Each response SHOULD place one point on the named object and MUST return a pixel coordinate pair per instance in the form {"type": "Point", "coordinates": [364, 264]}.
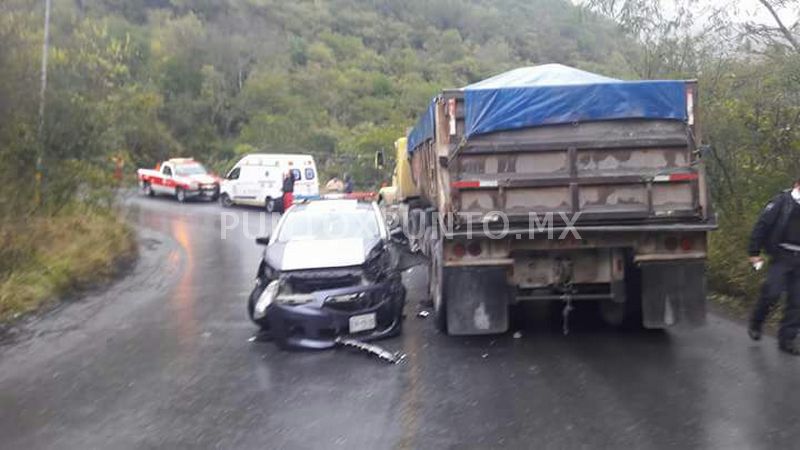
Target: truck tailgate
{"type": "Point", "coordinates": [627, 169]}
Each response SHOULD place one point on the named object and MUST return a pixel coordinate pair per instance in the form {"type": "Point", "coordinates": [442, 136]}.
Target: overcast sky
{"type": "Point", "coordinates": [754, 10]}
{"type": "Point", "coordinates": [740, 10]}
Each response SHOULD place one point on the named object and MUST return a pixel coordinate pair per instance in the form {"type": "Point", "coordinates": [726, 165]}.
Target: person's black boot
{"type": "Point", "coordinates": [754, 331]}
{"type": "Point", "coordinates": [790, 346]}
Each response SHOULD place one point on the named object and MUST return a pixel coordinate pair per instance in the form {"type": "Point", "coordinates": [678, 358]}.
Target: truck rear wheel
{"type": "Point", "coordinates": [633, 296]}
{"type": "Point", "coordinates": [147, 189]}
{"type": "Point", "coordinates": [436, 288]}
{"type": "Point", "coordinates": [613, 313]}
{"type": "Point", "coordinates": [625, 310]}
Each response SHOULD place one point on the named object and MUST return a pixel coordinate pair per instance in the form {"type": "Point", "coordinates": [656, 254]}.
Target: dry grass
{"type": "Point", "coordinates": [44, 258]}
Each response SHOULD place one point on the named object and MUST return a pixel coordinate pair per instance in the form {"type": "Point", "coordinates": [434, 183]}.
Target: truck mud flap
{"type": "Point", "coordinates": [672, 293]}
{"type": "Point", "coordinates": [477, 300]}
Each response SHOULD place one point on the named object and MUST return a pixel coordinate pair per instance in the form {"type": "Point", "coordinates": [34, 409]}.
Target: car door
{"type": "Point", "coordinates": [246, 187]}
{"type": "Point", "coordinates": [230, 182]}
{"type": "Point", "coordinates": [270, 183]}
{"type": "Point", "coordinates": [164, 184]}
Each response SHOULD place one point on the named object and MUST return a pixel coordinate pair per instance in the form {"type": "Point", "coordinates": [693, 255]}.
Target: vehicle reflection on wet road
{"type": "Point", "coordinates": [163, 359]}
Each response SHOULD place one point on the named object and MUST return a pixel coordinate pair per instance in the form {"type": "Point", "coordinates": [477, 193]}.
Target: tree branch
{"type": "Point", "coordinates": [785, 31]}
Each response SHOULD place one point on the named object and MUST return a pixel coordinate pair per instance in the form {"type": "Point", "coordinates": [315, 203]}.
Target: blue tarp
{"type": "Point", "coordinates": [423, 130]}
{"type": "Point", "coordinates": [556, 94]}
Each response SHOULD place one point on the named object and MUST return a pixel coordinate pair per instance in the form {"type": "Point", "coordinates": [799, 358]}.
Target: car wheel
{"type": "Point", "coordinates": [215, 195]}
{"type": "Point", "coordinates": [180, 194]}
{"type": "Point", "coordinates": [148, 190]}
{"type": "Point", "coordinates": [225, 200]}
{"type": "Point", "coordinates": [271, 205]}
{"type": "Point", "coordinates": [436, 288]}
{"type": "Point", "coordinates": [251, 305]}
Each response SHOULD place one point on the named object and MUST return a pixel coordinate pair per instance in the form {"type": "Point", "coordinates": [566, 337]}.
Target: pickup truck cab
{"type": "Point", "coordinates": [182, 178]}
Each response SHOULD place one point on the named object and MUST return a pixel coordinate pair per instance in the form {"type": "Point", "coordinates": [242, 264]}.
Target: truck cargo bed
{"type": "Point", "coordinates": [633, 169]}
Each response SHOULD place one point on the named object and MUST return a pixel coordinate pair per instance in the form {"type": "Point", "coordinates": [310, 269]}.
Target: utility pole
{"type": "Point", "coordinates": [42, 98]}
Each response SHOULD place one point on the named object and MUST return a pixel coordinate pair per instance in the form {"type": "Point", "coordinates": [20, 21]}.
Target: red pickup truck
{"type": "Point", "coordinates": [182, 178]}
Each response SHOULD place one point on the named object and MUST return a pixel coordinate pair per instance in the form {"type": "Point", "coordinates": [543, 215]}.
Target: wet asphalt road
{"type": "Point", "coordinates": [162, 359]}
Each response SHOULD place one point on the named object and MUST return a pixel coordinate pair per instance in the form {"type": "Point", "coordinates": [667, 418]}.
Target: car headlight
{"type": "Point", "coordinates": [268, 272]}
{"type": "Point", "coordinates": [266, 298]}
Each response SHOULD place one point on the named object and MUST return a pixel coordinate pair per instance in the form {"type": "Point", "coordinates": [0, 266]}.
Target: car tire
{"type": "Point", "coordinates": [251, 305]}
{"type": "Point", "coordinates": [225, 201]}
{"type": "Point", "coordinates": [147, 189]}
{"type": "Point", "coordinates": [215, 195]}
{"type": "Point", "coordinates": [272, 205]}
{"type": "Point", "coordinates": [180, 194]}
{"type": "Point", "coordinates": [436, 288]}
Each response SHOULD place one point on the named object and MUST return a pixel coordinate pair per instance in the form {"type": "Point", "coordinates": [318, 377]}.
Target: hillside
{"type": "Point", "coordinates": [338, 78]}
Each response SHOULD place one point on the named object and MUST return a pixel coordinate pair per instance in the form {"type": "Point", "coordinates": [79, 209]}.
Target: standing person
{"type": "Point", "coordinates": [288, 190]}
{"type": "Point", "coordinates": [348, 184]}
{"type": "Point", "coordinates": [778, 232]}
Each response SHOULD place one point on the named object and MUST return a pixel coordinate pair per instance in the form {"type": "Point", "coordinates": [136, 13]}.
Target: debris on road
{"type": "Point", "coordinates": [394, 358]}
{"type": "Point", "coordinates": [517, 335]}
{"type": "Point", "coordinates": [423, 314]}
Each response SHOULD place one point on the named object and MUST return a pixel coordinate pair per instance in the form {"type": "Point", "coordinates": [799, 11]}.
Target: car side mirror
{"type": "Point", "coordinates": [263, 240]}
{"type": "Point", "coordinates": [379, 159]}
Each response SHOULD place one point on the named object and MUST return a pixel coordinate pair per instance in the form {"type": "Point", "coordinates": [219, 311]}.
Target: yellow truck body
{"type": "Point", "coordinates": [403, 186]}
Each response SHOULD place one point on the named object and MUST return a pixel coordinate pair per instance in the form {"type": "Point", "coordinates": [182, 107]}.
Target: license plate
{"type": "Point", "coordinates": [363, 322]}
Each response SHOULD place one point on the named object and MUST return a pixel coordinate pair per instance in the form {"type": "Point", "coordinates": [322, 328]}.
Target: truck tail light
{"type": "Point", "coordinates": [474, 248]}
{"type": "Point", "coordinates": [459, 250]}
{"type": "Point", "coordinates": [674, 177]}
{"type": "Point", "coordinates": [470, 184]}
{"type": "Point", "coordinates": [686, 244]}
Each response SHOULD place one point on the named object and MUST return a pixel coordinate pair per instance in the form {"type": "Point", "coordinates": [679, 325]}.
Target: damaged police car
{"type": "Point", "coordinates": [330, 270]}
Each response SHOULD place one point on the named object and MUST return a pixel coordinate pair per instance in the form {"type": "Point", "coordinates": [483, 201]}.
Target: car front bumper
{"type": "Point", "coordinates": [206, 192]}
{"type": "Point", "coordinates": [317, 324]}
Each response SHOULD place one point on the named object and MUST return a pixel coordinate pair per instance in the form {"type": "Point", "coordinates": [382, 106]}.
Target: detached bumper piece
{"type": "Point", "coordinates": [333, 313]}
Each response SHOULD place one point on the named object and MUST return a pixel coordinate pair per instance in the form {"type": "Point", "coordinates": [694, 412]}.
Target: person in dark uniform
{"type": "Point", "coordinates": [288, 190]}
{"type": "Point", "coordinates": [348, 184]}
{"type": "Point", "coordinates": [778, 233]}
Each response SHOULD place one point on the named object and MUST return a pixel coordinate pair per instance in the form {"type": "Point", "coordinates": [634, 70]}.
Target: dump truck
{"type": "Point", "coordinates": [554, 184]}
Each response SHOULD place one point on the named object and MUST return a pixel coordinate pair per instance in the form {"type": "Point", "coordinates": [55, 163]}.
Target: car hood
{"type": "Point", "coordinates": [318, 254]}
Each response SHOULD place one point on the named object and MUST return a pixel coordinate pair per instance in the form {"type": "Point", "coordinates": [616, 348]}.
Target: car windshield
{"type": "Point", "coordinates": [327, 224]}
{"type": "Point", "coordinates": [190, 169]}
